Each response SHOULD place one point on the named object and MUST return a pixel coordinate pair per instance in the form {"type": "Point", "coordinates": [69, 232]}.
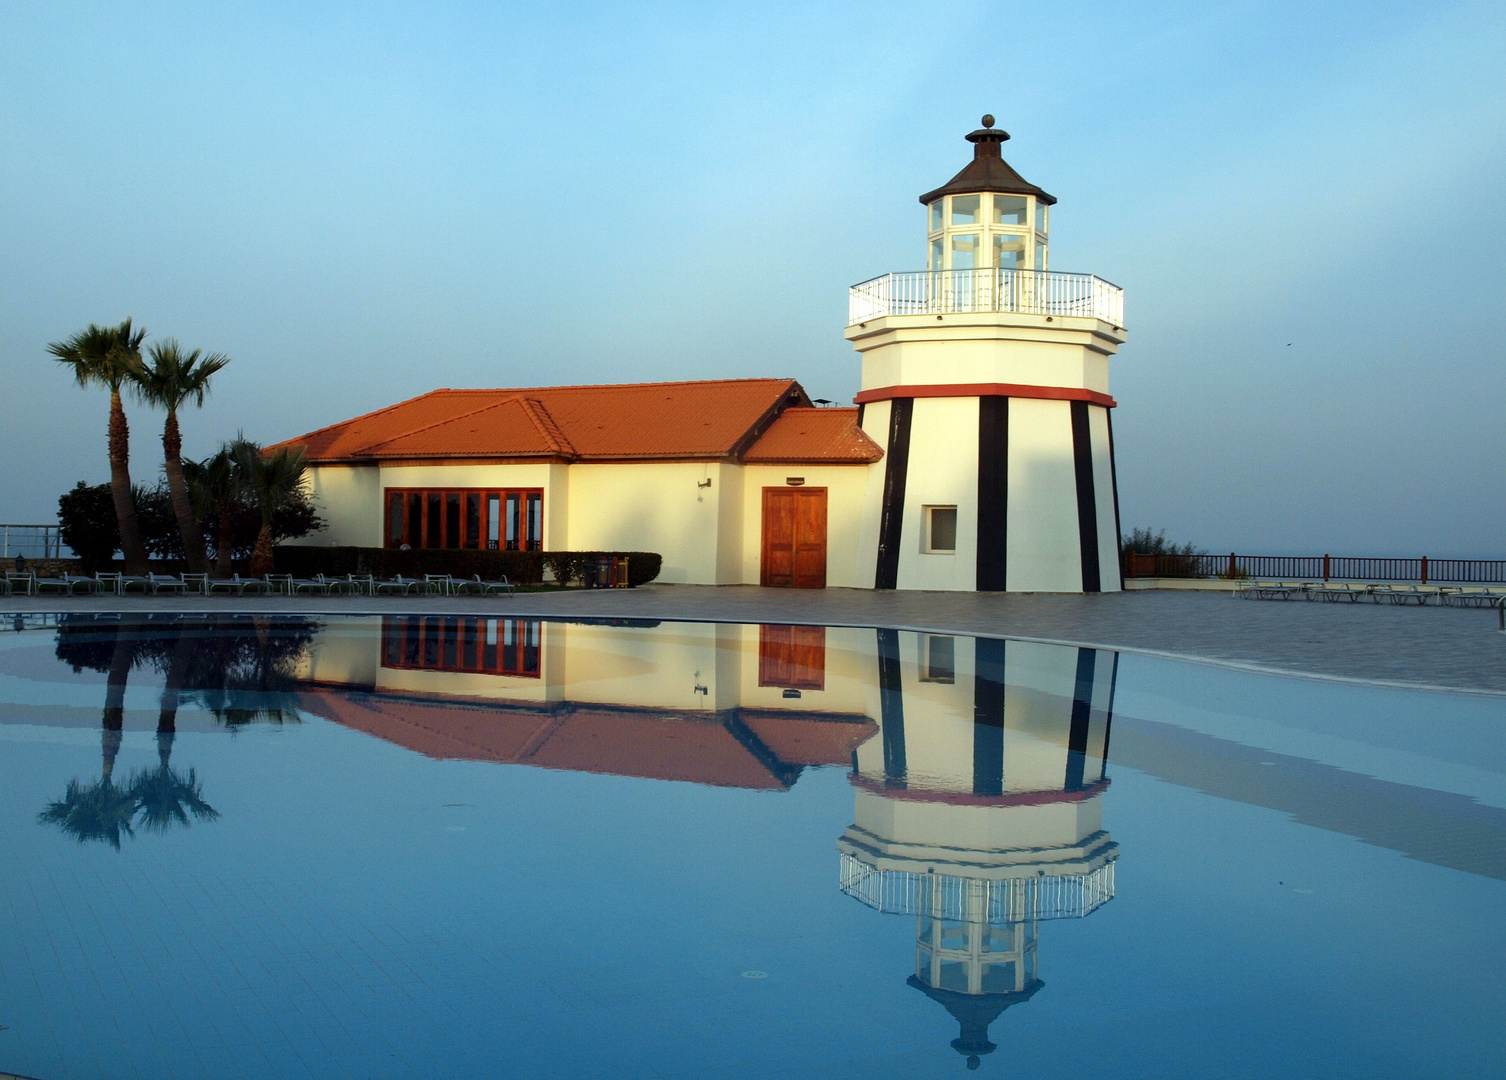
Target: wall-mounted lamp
{"type": "Point", "coordinates": [706, 483]}
{"type": "Point", "coordinates": [795, 481]}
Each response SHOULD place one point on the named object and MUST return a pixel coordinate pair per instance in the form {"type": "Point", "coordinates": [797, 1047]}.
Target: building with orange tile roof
{"type": "Point", "coordinates": [980, 454]}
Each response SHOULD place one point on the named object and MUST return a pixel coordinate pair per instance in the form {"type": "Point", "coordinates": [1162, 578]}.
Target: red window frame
{"type": "Point", "coordinates": [464, 644]}
{"type": "Point", "coordinates": [510, 519]}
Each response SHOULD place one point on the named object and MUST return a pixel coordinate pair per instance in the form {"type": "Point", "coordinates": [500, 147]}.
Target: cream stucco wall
{"type": "Point", "coordinates": [349, 499]}
{"type": "Point", "coordinates": [943, 471]}
{"type": "Point", "coordinates": [986, 348]}
{"type": "Point", "coordinates": [1044, 555]}
{"type": "Point", "coordinates": [658, 507]}
{"type": "Point", "coordinates": [846, 489]}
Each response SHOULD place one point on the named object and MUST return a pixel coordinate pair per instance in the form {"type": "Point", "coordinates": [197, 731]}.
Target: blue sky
{"type": "Point", "coordinates": [363, 202]}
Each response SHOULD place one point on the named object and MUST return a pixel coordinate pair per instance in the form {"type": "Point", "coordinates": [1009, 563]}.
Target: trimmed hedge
{"type": "Point", "coordinates": [521, 567]}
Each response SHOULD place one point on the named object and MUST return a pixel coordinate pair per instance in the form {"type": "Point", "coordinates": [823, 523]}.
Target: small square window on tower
{"type": "Point", "coordinates": [941, 530]}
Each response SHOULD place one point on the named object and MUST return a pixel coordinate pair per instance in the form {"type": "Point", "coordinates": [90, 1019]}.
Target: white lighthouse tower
{"type": "Point", "coordinates": [986, 380]}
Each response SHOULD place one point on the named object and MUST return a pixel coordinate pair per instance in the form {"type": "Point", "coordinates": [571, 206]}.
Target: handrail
{"type": "Point", "coordinates": [1422, 569]}
{"type": "Point", "coordinates": [990, 289]}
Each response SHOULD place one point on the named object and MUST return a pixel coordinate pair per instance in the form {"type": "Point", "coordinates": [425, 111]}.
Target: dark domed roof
{"type": "Point", "coordinates": [988, 171]}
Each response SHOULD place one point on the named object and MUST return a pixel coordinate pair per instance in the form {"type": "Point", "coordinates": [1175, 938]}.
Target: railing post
{"type": "Point", "coordinates": [1424, 569]}
{"type": "Point", "coordinates": [1232, 571]}
{"type": "Point", "coordinates": [1325, 567]}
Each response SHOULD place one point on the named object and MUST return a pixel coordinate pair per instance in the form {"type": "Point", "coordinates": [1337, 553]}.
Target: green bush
{"type": "Point", "coordinates": [520, 567]}
{"type": "Point", "coordinates": [87, 521]}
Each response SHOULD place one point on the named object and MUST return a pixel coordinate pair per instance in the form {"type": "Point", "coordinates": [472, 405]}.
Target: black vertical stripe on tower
{"type": "Point", "coordinates": [1082, 713]}
{"type": "Point", "coordinates": [988, 718]}
{"type": "Point", "coordinates": [892, 513]}
{"type": "Point", "coordinates": [1087, 503]}
{"type": "Point", "coordinates": [993, 493]}
{"type": "Point", "coordinates": [1108, 717]}
{"type": "Point", "coordinates": [1114, 484]}
{"type": "Point", "coordinates": [892, 707]}
{"type": "Point", "coordinates": [862, 407]}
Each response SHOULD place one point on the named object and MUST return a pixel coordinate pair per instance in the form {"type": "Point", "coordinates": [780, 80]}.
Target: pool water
{"type": "Point", "coordinates": [467, 847]}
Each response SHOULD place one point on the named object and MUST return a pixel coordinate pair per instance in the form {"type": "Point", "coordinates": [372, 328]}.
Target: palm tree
{"type": "Point", "coordinates": [108, 356]}
{"type": "Point", "coordinates": [269, 480]}
{"type": "Point", "coordinates": [175, 376]}
{"type": "Point", "coordinates": [101, 811]}
{"type": "Point", "coordinates": [214, 489]}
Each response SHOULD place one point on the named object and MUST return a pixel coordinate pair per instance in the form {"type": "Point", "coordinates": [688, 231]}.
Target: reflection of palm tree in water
{"type": "Point", "coordinates": [99, 811]}
{"type": "Point", "coordinates": [247, 678]}
{"type": "Point", "coordinates": [163, 796]}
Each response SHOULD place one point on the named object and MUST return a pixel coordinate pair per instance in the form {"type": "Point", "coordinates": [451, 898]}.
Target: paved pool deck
{"type": "Point", "coordinates": [1425, 647]}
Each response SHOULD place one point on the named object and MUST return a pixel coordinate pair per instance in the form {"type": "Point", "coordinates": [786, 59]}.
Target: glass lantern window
{"type": "Point", "coordinates": [1009, 251]}
{"type": "Point", "coordinates": [964, 251]}
{"type": "Point", "coordinates": [1040, 255]}
{"type": "Point", "coordinates": [1040, 216]}
{"type": "Point", "coordinates": [1010, 210]}
{"type": "Point", "coordinates": [965, 209]}
{"type": "Point", "coordinates": [936, 254]}
{"type": "Point", "coordinates": [936, 215]}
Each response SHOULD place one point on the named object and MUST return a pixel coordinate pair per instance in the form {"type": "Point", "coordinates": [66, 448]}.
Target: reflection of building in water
{"type": "Point", "coordinates": [978, 810]}
{"type": "Point", "coordinates": [740, 706]}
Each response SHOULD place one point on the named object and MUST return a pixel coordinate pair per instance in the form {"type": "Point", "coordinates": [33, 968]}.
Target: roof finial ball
{"type": "Point", "coordinates": [988, 119]}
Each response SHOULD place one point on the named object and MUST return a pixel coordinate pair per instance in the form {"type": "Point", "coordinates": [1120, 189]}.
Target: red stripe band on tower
{"type": "Point", "coordinates": [1019, 390]}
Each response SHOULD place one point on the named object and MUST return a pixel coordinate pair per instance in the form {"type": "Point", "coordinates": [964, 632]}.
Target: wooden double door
{"type": "Point", "coordinates": [794, 538]}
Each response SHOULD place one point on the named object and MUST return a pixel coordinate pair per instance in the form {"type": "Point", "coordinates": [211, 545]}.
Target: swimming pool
{"type": "Point", "coordinates": [429, 846]}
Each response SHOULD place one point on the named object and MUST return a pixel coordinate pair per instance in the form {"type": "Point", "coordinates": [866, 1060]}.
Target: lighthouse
{"type": "Point", "coordinates": [985, 378]}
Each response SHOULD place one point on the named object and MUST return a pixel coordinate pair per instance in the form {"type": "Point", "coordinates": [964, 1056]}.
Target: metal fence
{"type": "Point", "coordinates": [1070, 896]}
{"type": "Point", "coordinates": [33, 541]}
{"type": "Point", "coordinates": [1317, 568]}
{"type": "Point", "coordinates": [1027, 292]}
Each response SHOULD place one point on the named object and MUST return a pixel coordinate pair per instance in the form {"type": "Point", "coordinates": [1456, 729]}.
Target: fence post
{"type": "Point", "coordinates": [1232, 571]}
{"type": "Point", "coordinates": [1325, 567]}
{"type": "Point", "coordinates": [1424, 569]}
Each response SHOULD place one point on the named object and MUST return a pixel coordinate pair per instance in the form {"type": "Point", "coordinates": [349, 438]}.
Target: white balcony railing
{"type": "Point", "coordinates": [945, 292]}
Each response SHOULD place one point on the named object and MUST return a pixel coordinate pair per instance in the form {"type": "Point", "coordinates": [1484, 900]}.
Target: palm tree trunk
{"type": "Point", "coordinates": [224, 547]}
{"type": "Point", "coordinates": [261, 557]}
{"type": "Point", "coordinates": [194, 550]}
{"type": "Point", "coordinates": [131, 546]}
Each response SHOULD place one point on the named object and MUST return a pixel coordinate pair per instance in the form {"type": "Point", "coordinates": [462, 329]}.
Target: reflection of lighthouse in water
{"type": "Point", "coordinates": [978, 810]}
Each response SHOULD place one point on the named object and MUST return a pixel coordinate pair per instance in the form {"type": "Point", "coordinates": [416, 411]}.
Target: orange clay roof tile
{"type": "Point", "coordinates": [808, 435]}
{"type": "Point", "coordinates": [639, 421]}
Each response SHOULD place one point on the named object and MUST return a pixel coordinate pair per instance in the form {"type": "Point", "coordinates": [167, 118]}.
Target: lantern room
{"type": "Point", "coordinates": [987, 216]}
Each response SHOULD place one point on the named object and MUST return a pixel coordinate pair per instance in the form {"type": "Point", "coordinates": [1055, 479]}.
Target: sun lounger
{"type": "Point", "coordinates": [363, 584]}
{"type": "Point", "coordinates": [198, 583]}
{"type": "Point", "coordinates": [238, 585]}
{"type": "Point", "coordinates": [25, 582]}
{"type": "Point", "coordinates": [338, 586]}
{"type": "Point", "coordinates": [159, 582]}
{"type": "Point", "coordinates": [1469, 596]}
{"type": "Point", "coordinates": [1406, 594]}
{"type": "Point", "coordinates": [279, 583]}
{"type": "Point", "coordinates": [316, 584]}
{"type": "Point", "coordinates": [124, 583]}
{"type": "Point", "coordinates": [401, 585]}
{"type": "Point", "coordinates": [76, 584]}
{"type": "Point", "coordinates": [485, 588]}
{"type": "Point", "coordinates": [440, 583]}
{"type": "Point", "coordinates": [1333, 591]}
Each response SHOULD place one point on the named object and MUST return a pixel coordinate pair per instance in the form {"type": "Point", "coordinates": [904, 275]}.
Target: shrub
{"type": "Point", "coordinates": [87, 521]}
{"type": "Point", "coordinates": [1145, 542]}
